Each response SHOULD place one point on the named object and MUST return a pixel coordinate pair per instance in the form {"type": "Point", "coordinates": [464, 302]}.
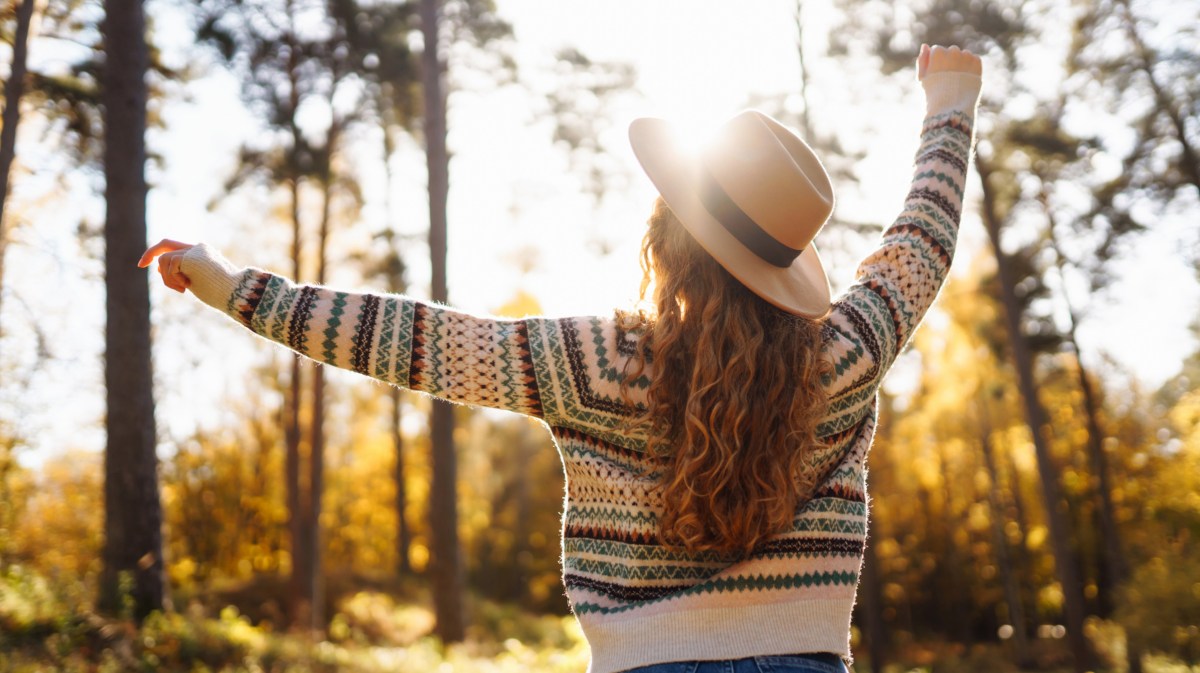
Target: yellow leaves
{"type": "Point", "coordinates": [979, 519]}
{"type": "Point", "coordinates": [982, 481]}
{"type": "Point", "coordinates": [1185, 416]}
{"type": "Point", "coordinates": [886, 548]}
{"type": "Point", "coordinates": [1012, 532]}
{"type": "Point", "coordinates": [1073, 481]}
{"type": "Point", "coordinates": [419, 555]}
{"type": "Point", "coordinates": [1160, 607]}
{"type": "Point", "coordinates": [522, 304]}
{"type": "Point", "coordinates": [894, 592]}
{"type": "Point", "coordinates": [62, 523]}
{"type": "Point", "coordinates": [1050, 597]}
{"type": "Point", "coordinates": [1035, 538]}
{"type": "Point", "coordinates": [181, 572]}
{"type": "Point", "coordinates": [240, 631]}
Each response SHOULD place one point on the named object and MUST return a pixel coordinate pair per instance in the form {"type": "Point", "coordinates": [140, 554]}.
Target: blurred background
{"type": "Point", "coordinates": [208, 502]}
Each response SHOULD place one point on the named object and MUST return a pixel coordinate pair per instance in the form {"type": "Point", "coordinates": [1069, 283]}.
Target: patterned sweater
{"type": "Point", "coordinates": [638, 602]}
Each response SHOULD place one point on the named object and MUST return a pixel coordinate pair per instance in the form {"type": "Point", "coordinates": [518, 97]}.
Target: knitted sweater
{"type": "Point", "coordinates": [638, 602]}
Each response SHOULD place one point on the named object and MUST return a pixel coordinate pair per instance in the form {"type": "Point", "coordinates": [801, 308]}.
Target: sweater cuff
{"type": "Point", "coordinates": [214, 279]}
{"type": "Point", "coordinates": [950, 91]}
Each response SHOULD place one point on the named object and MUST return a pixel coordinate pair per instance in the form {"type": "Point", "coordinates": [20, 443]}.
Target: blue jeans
{"type": "Point", "coordinates": [780, 663]}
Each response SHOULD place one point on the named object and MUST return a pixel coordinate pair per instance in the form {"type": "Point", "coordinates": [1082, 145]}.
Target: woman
{"type": "Point", "coordinates": [714, 449]}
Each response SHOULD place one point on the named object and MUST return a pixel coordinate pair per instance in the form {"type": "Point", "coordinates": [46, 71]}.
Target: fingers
{"type": "Point", "coordinates": [948, 59]}
{"type": "Point", "coordinates": [172, 253]}
{"type": "Point", "coordinates": [169, 269]}
{"type": "Point", "coordinates": [922, 61]}
{"type": "Point", "coordinates": [165, 245]}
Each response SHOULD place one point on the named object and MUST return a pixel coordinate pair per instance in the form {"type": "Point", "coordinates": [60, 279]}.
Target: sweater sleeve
{"type": "Point", "coordinates": [897, 283]}
{"type": "Point", "coordinates": [398, 340]}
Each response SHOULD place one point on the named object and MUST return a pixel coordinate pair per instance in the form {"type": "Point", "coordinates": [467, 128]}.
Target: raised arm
{"type": "Point", "coordinates": [426, 347]}
{"type": "Point", "coordinates": [898, 282]}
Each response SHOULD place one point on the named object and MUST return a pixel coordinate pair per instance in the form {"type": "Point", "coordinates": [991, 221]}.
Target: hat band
{"type": "Point", "coordinates": [742, 226]}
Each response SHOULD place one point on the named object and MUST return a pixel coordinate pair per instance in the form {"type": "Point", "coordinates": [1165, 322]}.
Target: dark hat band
{"type": "Point", "coordinates": [741, 225]}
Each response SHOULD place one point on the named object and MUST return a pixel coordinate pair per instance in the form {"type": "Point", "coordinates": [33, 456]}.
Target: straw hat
{"type": "Point", "coordinates": [754, 198]}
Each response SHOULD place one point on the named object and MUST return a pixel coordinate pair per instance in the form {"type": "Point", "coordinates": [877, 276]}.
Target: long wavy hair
{"type": "Point", "coordinates": [734, 399]}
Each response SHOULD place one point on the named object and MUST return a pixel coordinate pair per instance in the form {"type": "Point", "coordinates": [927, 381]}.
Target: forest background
{"type": "Point", "coordinates": [1036, 478]}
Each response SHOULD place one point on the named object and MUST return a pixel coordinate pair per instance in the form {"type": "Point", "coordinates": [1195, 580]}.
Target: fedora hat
{"type": "Point", "coordinates": [754, 198]}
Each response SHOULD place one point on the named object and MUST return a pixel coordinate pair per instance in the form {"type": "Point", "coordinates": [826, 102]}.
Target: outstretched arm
{"type": "Point", "coordinates": [898, 282]}
{"type": "Point", "coordinates": [422, 346]}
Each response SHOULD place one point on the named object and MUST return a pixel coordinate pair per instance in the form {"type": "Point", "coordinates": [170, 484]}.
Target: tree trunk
{"type": "Point", "coordinates": [1035, 415]}
{"type": "Point", "coordinates": [301, 597]}
{"type": "Point", "coordinates": [315, 589]}
{"type": "Point", "coordinates": [395, 274]}
{"type": "Point", "coordinates": [316, 457]}
{"type": "Point", "coordinates": [871, 612]}
{"type": "Point", "coordinates": [403, 534]}
{"type": "Point", "coordinates": [133, 541]}
{"type": "Point", "coordinates": [1106, 519]}
{"type": "Point", "coordinates": [1021, 555]}
{"type": "Point", "coordinates": [447, 571]}
{"type": "Point", "coordinates": [14, 89]}
{"type": "Point", "coordinates": [872, 608]}
{"type": "Point", "coordinates": [524, 505]}
{"type": "Point", "coordinates": [958, 591]}
{"type": "Point", "coordinates": [1008, 576]}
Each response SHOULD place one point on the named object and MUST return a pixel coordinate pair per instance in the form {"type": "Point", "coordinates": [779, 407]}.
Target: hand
{"type": "Point", "coordinates": [168, 265]}
{"type": "Point", "coordinates": [946, 59]}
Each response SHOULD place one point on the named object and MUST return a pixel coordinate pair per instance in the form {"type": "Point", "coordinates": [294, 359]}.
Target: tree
{"type": "Point", "coordinates": [70, 100]}
{"type": "Point", "coordinates": [1004, 29]}
{"type": "Point", "coordinates": [133, 515]}
{"type": "Point", "coordinates": [1014, 608]}
{"type": "Point", "coordinates": [12, 115]}
{"type": "Point", "coordinates": [447, 569]}
{"type": "Point", "coordinates": [389, 270]}
{"type": "Point", "coordinates": [308, 67]}
{"type": "Point", "coordinates": [1039, 425]}
{"type": "Point", "coordinates": [261, 43]}
{"type": "Point", "coordinates": [1183, 59]}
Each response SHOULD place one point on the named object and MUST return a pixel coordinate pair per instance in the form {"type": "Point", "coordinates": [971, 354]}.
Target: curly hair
{"type": "Point", "coordinates": [734, 399]}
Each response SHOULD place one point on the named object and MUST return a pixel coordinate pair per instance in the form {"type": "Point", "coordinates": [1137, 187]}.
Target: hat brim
{"type": "Point", "coordinates": [801, 288]}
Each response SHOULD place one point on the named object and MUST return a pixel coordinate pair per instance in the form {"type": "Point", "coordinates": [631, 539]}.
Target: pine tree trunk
{"type": "Point", "coordinates": [871, 613]}
{"type": "Point", "coordinates": [403, 534]}
{"type": "Point", "coordinates": [1008, 576]}
{"type": "Point", "coordinates": [300, 598]}
{"type": "Point", "coordinates": [1065, 564]}
{"type": "Point", "coordinates": [300, 607]}
{"type": "Point", "coordinates": [956, 583]}
{"type": "Point", "coordinates": [524, 505]}
{"type": "Point", "coordinates": [403, 568]}
{"type": "Point", "coordinates": [13, 90]}
{"type": "Point", "coordinates": [316, 457]}
{"type": "Point", "coordinates": [1021, 555]}
{"type": "Point", "coordinates": [133, 541]}
{"type": "Point", "coordinates": [1106, 521]}
{"type": "Point", "coordinates": [446, 565]}
{"type": "Point", "coordinates": [872, 608]}
{"type": "Point", "coordinates": [1106, 518]}
{"type": "Point", "coordinates": [316, 486]}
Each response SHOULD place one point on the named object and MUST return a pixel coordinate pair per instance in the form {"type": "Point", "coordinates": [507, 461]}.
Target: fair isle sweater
{"type": "Point", "coordinates": [637, 601]}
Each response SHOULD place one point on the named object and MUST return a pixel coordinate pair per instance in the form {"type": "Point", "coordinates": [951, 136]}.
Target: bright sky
{"type": "Point", "coordinates": [698, 62]}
